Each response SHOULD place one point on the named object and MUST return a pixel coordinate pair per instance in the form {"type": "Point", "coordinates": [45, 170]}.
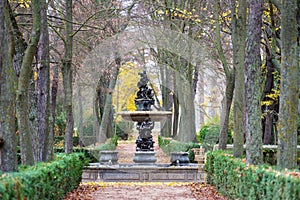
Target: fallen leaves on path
{"type": "Point", "coordinates": [96, 190]}
{"type": "Point", "coordinates": [206, 192]}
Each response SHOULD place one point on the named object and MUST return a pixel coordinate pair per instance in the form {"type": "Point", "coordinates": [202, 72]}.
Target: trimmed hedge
{"type": "Point", "coordinates": [44, 180]}
{"type": "Point", "coordinates": [235, 179]}
{"type": "Point", "coordinates": [88, 154]}
{"type": "Point", "coordinates": [93, 154]}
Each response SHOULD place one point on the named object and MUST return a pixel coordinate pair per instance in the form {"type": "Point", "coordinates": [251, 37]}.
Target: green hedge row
{"type": "Point", "coordinates": [235, 179]}
{"type": "Point", "coordinates": [44, 180]}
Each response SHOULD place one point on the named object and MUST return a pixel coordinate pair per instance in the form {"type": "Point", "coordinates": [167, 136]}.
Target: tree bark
{"type": "Point", "coordinates": [253, 84]}
{"type": "Point", "coordinates": [8, 151]}
{"type": "Point", "coordinates": [43, 87]}
{"type": "Point", "coordinates": [167, 101]}
{"type": "Point", "coordinates": [108, 101]}
{"type": "Point", "coordinates": [289, 88]}
{"type": "Point", "coordinates": [239, 43]}
{"type": "Point", "coordinates": [23, 85]}
{"type": "Point", "coordinates": [186, 131]}
{"type": "Point", "coordinates": [80, 116]}
{"type": "Point", "coordinates": [67, 72]}
{"type": "Point", "coordinates": [229, 74]}
{"type": "Point", "coordinates": [54, 89]}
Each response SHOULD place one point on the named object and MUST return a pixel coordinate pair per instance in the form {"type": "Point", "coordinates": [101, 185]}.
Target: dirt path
{"type": "Point", "coordinates": [146, 192]}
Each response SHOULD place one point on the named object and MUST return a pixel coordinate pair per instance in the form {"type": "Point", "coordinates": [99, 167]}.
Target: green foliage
{"type": "Point", "coordinates": [114, 140]}
{"type": "Point", "coordinates": [235, 179]}
{"type": "Point", "coordinates": [168, 146]}
{"type": "Point", "coordinates": [88, 154]}
{"type": "Point", "coordinates": [298, 130]}
{"type": "Point", "coordinates": [93, 154]}
{"type": "Point", "coordinates": [209, 135]}
{"type": "Point", "coordinates": [44, 180]}
{"type": "Point", "coordinates": [60, 123]}
{"type": "Point", "coordinates": [123, 128]}
{"type": "Point", "coordinates": [59, 141]}
{"type": "Point", "coordinates": [162, 142]}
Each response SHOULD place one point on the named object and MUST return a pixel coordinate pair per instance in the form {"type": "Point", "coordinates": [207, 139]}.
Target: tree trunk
{"type": "Point", "coordinates": [108, 101]}
{"type": "Point", "coordinates": [43, 86]}
{"type": "Point", "coordinates": [8, 151]}
{"type": "Point", "coordinates": [167, 101]}
{"type": "Point", "coordinates": [54, 89]}
{"type": "Point", "coordinates": [96, 119]}
{"type": "Point", "coordinates": [22, 92]}
{"type": "Point", "coordinates": [238, 43]}
{"type": "Point", "coordinates": [229, 81]}
{"type": "Point", "coordinates": [289, 88]}
{"type": "Point", "coordinates": [253, 84]}
{"type": "Point", "coordinates": [33, 113]}
{"type": "Point", "coordinates": [186, 126]}
{"type": "Point", "coordinates": [226, 110]}
{"type": "Point", "coordinates": [67, 72]}
{"type": "Point", "coordinates": [269, 110]}
{"type": "Point", "coordinates": [80, 116]}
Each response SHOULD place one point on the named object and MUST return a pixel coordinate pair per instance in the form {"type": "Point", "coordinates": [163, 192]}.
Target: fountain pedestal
{"type": "Point", "coordinates": [144, 158]}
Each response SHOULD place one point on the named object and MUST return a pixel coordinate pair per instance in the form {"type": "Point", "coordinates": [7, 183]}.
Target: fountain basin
{"type": "Point", "coordinates": [140, 116]}
{"type": "Point", "coordinates": [142, 173]}
{"type": "Point", "coordinates": [108, 157]}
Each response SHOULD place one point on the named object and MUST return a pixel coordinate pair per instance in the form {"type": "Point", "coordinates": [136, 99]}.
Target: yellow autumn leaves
{"type": "Point", "coordinates": [23, 3]}
{"type": "Point", "coordinates": [118, 184]}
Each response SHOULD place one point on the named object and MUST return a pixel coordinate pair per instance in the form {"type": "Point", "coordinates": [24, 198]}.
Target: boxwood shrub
{"type": "Point", "coordinates": [235, 179]}
{"type": "Point", "coordinates": [44, 180]}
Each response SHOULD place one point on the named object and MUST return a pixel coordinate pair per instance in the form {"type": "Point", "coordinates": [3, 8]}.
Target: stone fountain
{"type": "Point", "coordinates": [145, 118]}
{"type": "Point", "coordinates": [145, 167]}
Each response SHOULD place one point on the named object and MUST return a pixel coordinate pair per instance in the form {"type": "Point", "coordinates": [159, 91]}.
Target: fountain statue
{"type": "Point", "coordinates": [145, 118]}
{"type": "Point", "coordinates": [143, 102]}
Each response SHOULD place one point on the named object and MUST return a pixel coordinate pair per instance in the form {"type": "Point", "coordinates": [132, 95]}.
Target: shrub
{"type": "Point", "coordinates": [162, 142]}
{"type": "Point", "coordinates": [59, 141]}
{"type": "Point", "coordinates": [209, 136]}
{"type": "Point", "coordinates": [93, 154]}
{"type": "Point", "coordinates": [168, 146]}
{"type": "Point", "coordinates": [60, 123]}
{"type": "Point", "coordinates": [123, 128]}
{"type": "Point", "coordinates": [235, 179]}
{"type": "Point", "coordinates": [44, 180]}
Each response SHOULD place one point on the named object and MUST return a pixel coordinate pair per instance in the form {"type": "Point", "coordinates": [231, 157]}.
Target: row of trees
{"type": "Point", "coordinates": [40, 37]}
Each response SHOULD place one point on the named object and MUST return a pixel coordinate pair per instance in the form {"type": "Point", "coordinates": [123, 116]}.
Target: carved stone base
{"type": "Point", "coordinates": [144, 157]}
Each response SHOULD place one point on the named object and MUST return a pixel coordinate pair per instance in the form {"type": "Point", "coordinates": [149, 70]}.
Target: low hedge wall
{"type": "Point", "coordinates": [235, 179]}
{"type": "Point", "coordinates": [44, 180]}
